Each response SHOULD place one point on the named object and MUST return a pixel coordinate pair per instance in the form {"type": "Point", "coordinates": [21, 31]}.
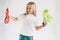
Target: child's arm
{"type": "Point", "coordinates": [14, 18]}
{"type": "Point", "coordinates": [39, 27]}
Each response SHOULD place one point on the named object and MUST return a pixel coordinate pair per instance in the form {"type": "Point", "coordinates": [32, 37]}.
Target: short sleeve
{"type": "Point", "coordinates": [37, 22]}
{"type": "Point", "coordinates": [20, 17]}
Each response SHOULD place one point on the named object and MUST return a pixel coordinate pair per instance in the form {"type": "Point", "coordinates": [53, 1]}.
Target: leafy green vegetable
{"type": "Point", "coordinates": [46, 16]}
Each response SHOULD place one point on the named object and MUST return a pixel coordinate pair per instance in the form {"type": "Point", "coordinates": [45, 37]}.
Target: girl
{"type": "Point", "coordinates": [29, 21]}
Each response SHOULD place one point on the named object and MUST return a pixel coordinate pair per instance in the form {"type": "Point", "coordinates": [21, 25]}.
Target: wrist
{"type": "Point", "coordinates": [44, 24]}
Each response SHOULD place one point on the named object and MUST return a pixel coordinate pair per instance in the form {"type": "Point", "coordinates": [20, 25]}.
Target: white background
{"type": "Point", "coordinates": [11, 31]}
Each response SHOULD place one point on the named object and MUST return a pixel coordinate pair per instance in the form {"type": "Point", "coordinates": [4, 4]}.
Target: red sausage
{"type": "Point", "coordinates": [6, 20]}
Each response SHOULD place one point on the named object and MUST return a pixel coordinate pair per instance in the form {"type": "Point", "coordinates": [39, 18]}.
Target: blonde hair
{"type": "Point", "coordinates": [34, 12]}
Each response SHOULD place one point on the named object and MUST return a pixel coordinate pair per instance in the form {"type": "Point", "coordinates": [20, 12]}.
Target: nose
{"type": "Point", "coordinates": [28, 9]}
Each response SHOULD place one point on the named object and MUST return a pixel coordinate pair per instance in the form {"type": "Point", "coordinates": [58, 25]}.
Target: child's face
{"type": "Point", "coordinates": [30, 8]}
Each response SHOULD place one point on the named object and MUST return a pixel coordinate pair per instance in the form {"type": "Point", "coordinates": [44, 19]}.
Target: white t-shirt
{"type": "Point", "coordinates": [29, 22]}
